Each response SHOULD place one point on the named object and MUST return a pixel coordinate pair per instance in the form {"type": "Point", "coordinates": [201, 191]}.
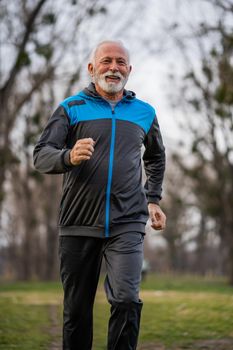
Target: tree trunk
{"type": "Point", "coordinates": [53, 184]}
{"type": "Point", "coordinates": [201, 239]}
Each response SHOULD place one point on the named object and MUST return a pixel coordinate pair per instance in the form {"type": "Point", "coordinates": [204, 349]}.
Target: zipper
{"type": "Point", "coordinates": [110, 170]}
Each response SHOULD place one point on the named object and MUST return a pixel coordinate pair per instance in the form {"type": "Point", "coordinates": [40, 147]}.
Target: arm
{"type": "Point", "coordinates": [154, 163]}
{"type": "Point", "coordinates": [50, 156]}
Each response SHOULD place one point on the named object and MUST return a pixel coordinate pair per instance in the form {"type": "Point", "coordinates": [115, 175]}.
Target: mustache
{"type": "Point", "coordinates": [116, 74]}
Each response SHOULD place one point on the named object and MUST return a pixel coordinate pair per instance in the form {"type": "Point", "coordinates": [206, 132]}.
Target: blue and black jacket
{"type": "Point", "coordinates": [104, 196]}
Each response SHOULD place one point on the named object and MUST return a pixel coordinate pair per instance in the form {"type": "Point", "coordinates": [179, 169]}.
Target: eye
{"type": "Point", "coordinates": [105, 61]}
{"type": "Point", "coordinates": [122, 62]}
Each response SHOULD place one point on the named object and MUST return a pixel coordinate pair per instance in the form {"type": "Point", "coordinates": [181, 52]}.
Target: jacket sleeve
{"type": "Point", "coordinates": [50, 155]}
{"type": "Point", "coordinates": [154, 163]}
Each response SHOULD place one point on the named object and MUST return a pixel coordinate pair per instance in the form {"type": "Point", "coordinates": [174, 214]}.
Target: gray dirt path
{"type": "Point", "coordinates": [55, 330]}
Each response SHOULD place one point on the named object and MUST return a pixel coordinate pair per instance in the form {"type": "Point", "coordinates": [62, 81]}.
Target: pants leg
{"type": "Point", "coordinates": [124, 255]}
{"type": "Point", "coordinates": [80, 263]}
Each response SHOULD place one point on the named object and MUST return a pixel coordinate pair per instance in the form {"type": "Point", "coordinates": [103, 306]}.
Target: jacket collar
{"type": "Point", "coordinates": [90, 91]}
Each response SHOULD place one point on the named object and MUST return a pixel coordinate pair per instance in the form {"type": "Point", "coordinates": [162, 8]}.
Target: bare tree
{"type": "Point", "coordinates": [207, 93]}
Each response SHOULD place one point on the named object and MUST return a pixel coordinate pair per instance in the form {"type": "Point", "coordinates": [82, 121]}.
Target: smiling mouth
{"type": "Point", "coordinates": [113, 78]}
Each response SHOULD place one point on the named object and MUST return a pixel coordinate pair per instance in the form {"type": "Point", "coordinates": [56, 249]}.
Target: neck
{"type": "Point", "coordinates": [116, 96]}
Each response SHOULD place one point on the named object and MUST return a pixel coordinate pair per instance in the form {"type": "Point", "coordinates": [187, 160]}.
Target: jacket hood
{"type": "Point", "coordinates": [90, 91]}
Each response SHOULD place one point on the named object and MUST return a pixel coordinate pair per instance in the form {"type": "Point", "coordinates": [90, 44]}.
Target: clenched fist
{"type": "Point", "coordinates": [157, 216]}
{"type": "Point", "coordinates": [82, 150]}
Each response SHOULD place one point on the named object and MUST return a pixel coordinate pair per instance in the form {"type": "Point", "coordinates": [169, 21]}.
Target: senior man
{"type": "Point", "coordinates": [95, 139]}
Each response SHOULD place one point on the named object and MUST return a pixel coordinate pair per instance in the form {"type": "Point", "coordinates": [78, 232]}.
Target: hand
{"type": "Point", "coordinates": [82, 150]}
{"type": "Point", "coordinates": [157, 216]}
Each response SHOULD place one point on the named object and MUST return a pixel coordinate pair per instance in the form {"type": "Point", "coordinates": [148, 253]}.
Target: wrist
{"type": "Point", "coordinates": [151, 204]}
{"type": "Point", "coordinates": [66, 158]}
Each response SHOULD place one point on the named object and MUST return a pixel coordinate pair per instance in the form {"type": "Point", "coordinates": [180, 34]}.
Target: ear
{"type": "Point", "coordinates": [130, 68]}
{"type": "Point", "coordinates": [90, 68]}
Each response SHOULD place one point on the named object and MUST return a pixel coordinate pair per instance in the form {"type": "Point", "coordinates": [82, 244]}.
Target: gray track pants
{"type": "Point", "coordinates": [80, 259]}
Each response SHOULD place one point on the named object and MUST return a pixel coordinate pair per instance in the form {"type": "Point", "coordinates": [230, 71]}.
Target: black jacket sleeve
{"type": "Point", "coordinates": [50, 155]}
{"type": "Point", "coordinates": [154, 163]}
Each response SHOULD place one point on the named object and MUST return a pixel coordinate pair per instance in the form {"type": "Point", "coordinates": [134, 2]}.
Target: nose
{"type": "Point", "coordinates": [114, 66]}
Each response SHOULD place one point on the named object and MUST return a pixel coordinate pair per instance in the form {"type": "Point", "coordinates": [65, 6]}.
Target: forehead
{"type": "Point", "coordinates": [111, 50]}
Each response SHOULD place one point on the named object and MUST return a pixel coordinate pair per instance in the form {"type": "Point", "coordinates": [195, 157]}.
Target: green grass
{"type": "Point", "coordinates": [177, 318]}
{"type": "Point", "coordinates": [30, 286]}
{"type": "Point", "coordinates": [23, 326]}
{"type": "Point", "coordinates": [187, 283]}
{"type": "Point", "coordinates": [178, 310]}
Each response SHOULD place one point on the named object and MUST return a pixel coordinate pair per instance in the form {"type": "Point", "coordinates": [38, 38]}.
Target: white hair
{"type": "Point", "coordinates": [117, 42]}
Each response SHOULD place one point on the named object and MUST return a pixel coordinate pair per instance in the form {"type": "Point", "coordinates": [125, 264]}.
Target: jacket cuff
{"type": "Point", "coordinates": [66, 158]}
{"type": "Point", "coordinates": [153, 199]}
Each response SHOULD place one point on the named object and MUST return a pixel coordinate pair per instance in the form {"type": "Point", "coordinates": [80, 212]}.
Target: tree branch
{"type": "Point", "coordinates": [226, 5]}
{"type": "Point", "coordinates": [28, 30]}
{"type": "Point", "coordinates": [41, 79]}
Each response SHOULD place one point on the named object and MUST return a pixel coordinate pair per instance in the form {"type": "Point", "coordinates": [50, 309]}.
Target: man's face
{"type": "Point", "coordinates": [110, 69]}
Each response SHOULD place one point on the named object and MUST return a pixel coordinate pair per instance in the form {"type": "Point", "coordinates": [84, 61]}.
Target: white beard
{"type": "Point", "coordinates": [110, 87]}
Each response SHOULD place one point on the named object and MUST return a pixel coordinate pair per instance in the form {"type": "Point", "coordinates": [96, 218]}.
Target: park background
{"type": "Point", "coordinates": [181, 52]}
